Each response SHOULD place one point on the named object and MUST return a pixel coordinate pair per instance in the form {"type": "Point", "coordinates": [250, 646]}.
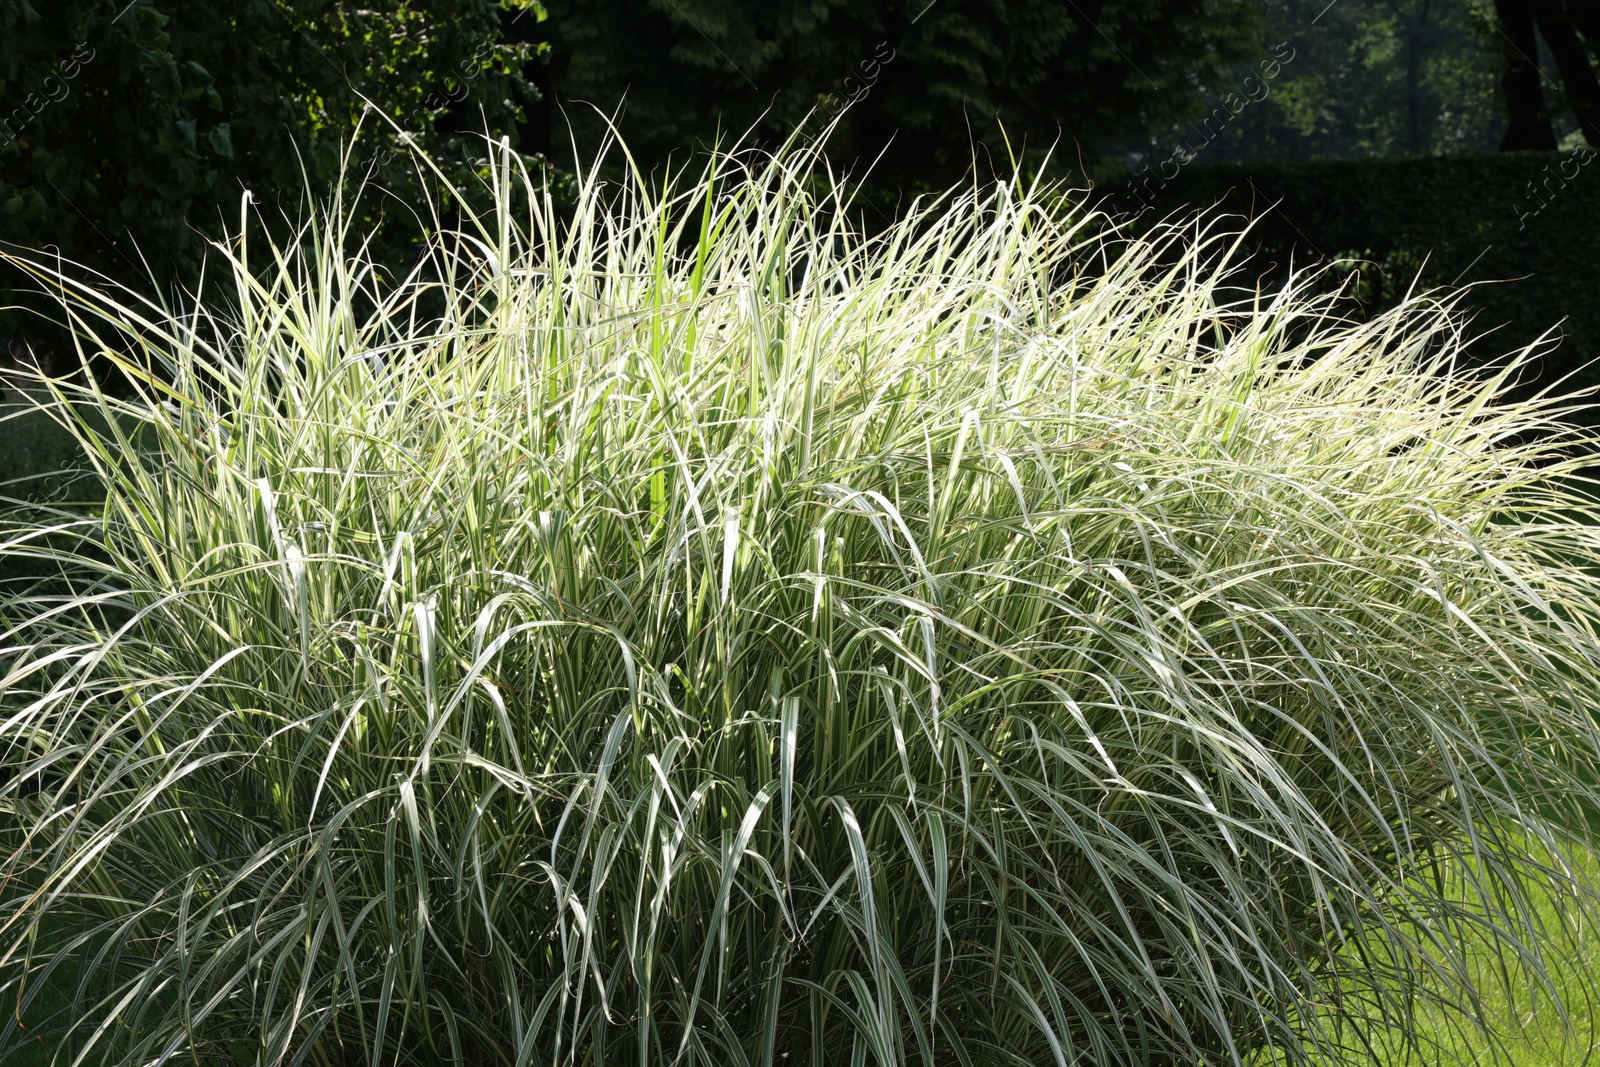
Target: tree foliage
{"type": "Point", "coordinates": [1570, 30]}
{"type": "Point", "coordinates": [129, 131]}
{"type": "Point", "coordinates": [928, 84]}
{"type": "Point", "coordinates": [1367, 78]}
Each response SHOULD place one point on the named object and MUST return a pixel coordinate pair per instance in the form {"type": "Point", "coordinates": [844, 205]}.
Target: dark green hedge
{"type": "Point", "coordinates": [39, 459]}
{"type": "Point", "coordinates": [1456, 220]}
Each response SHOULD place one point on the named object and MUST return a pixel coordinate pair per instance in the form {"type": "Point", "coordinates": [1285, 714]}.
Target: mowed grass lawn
{"type": "Point", "coordinates": [1528, 1026]}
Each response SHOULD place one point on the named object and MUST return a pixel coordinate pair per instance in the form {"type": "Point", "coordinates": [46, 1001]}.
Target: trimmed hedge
{"type": "Point", "coordinates": [1456, 220]}
{"type": "Point", "coordinates": [39, 459]}
{"type": "Point", "coordinates": [40, 462]}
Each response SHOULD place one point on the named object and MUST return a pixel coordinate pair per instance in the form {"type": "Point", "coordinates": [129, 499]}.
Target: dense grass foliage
{"type": "Point", "coordinates": [719, 638]}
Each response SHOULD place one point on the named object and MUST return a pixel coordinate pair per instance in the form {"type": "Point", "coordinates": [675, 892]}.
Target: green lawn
{"type": "Point", "coordinates": [1528, 1026]}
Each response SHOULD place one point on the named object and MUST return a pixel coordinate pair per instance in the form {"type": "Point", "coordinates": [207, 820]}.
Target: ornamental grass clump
{"type": "Point", "coordinates": [681, 629]}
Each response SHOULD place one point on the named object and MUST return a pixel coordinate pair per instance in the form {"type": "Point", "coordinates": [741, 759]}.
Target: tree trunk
{"type": "Point", "coordinates": [1414, 92]}
{"type": "Point", "coordinates": [1528, 123]}
{"type": "Point", "coordinates": [1583, 91]}
{"type": "Point", "coordinates": [1585, 14]}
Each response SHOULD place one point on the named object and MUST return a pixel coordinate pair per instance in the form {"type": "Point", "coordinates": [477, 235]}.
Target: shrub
{"type": "Point", "coordinates": [716, 637]}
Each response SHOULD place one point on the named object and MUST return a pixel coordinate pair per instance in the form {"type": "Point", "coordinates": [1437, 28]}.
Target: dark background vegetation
{"type": "Point", "coordinates": [1412, 224]}
{"type": "Point", "coordinates": [130, 132]}
{"type": "Point", "coordinates": [1448, 138]}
